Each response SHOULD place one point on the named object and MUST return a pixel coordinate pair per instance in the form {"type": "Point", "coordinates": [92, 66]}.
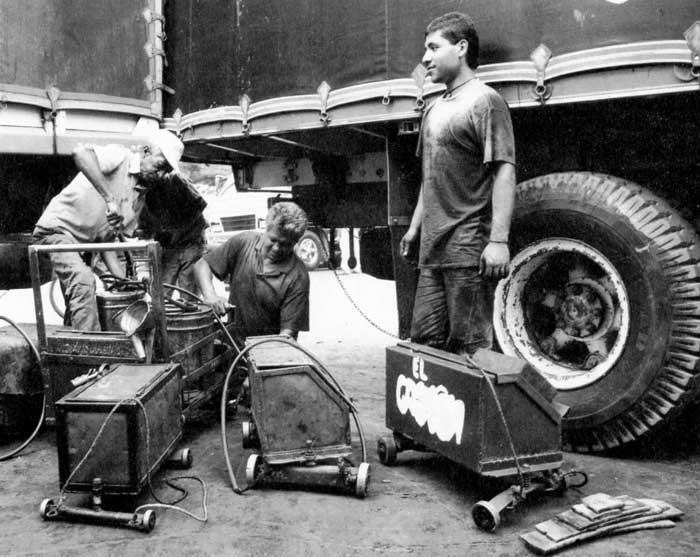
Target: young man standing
{"type": "Point", "coordinates": [467, 195]}
{"type": "Point", "coordinates": [268, 283]}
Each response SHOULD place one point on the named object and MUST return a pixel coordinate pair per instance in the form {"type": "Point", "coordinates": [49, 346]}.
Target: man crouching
{"type": "Point", "coordinates": [268, 283]}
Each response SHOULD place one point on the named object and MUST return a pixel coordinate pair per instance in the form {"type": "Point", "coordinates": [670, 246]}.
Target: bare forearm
{"type": "Point", "coordinates": [503, 201]}
{"type": "Point", "coordinates": [112, 261]}
{"type": "Point", "coordinates": [417, 217]}
{"type": "Point", "coordinates": [204, 279]}
{"type": "Point", "coordinates": [86, 161]}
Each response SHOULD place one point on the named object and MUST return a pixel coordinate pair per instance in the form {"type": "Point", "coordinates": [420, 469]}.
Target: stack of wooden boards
{"type": "Point", "coordinates": [596, 516]}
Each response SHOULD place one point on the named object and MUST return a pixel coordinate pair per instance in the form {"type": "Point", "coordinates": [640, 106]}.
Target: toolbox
{"type": "Point", "coordinates": [438, 400]}
{"type": "Point", "coordinates": [139, 435]}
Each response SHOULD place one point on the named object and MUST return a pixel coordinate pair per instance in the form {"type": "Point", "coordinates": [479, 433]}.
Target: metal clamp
{"type": "Point", "coordinates": [152, 84]}
{"type": "Point", "coordinates": [692, 37]}
{"type": "Point", "coordinates": [540, 58]}
{"type": "Point", "coordinates": [324, 91]}
{"type": "Point", "coordinates": [151, 16]}
{"type": "Point", "coordinates": [386, 99]}
{"type": "Point", "coordinates": [153, 51]}
{"type": "Point", "coordinates": [419, 74]}
{"type": "Point", "coordinates": [244, 103]}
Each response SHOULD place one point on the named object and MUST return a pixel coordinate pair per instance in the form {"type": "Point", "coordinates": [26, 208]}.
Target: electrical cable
{"type": "Point", "coordinates": [148, 470]}
{"type": "Point", "coordinates": [324, 376]}
{"type": "Point", "coordinates": [499, 408]}
{"type": "Point", "coordinates": [218, 319]}
{"type": "Point", "coordinates": [40, 422]}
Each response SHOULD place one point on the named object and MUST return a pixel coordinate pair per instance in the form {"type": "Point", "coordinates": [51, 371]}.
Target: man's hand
{"type": "Point", "coordinates": [114, 219]}
{"type": "Point", "coordinates": [218, 304]}
{"type": "Point", "coordinates": [407, 245]}
{"type": "Point", "coordinates": [493, 264]}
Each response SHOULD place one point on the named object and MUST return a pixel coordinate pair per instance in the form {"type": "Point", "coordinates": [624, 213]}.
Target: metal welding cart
{"type": "Point", "coordinates": [113, 433]}
{"type": "Point", "coordinates": [301, 422]}
{"type": "Point", "coordinates": [491, 413]}
{"type": "Point", "coordinates": [189, 338]}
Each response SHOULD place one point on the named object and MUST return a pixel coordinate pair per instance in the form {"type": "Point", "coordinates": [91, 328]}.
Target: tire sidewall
{"type": "Point", "coordinates": [559, 206]}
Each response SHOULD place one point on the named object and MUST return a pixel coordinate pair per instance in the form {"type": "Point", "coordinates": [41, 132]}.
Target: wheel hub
{"type": "Point", "coordinates": [564, 309]}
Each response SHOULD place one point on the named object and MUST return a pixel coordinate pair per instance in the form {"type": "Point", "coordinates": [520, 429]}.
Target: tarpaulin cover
{"type": "Point", "coordinates": [82, 46]}
{"type": "Point", "coordinates": [221, 49]}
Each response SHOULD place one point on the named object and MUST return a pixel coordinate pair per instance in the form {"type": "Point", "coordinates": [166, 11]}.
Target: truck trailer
{"type": "Point", "coordinates": [326, 97]}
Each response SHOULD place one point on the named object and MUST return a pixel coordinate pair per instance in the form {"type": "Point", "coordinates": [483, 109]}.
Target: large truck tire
{"type": "Point", "coordinates": [603, 298]}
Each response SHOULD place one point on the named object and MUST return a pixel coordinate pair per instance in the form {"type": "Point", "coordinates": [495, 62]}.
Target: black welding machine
{"type": "Point", "coordinates": [300, 427]}
{"type": "Point", "coordinates": [491, 413]}
{"type": "Point", "coordinates": [113, 433]}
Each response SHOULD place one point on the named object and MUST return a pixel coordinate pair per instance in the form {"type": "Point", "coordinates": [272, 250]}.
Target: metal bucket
{"type": "Point", "coordinates": [186, 328]}
{"type": "Point", "coordinates": [110, 303]}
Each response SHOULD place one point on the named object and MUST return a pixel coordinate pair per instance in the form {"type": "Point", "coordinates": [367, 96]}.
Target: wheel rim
{"type": "Point", "coordinates": [564, 309]}
{"type": "Point", "coordinates": [307, 251]}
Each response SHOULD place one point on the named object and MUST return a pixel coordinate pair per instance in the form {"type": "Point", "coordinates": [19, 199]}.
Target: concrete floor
{"type": "Point", "coordinates": [419, 507]}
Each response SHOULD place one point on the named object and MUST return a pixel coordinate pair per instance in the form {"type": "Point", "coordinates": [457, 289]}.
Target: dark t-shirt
{"type": "Point", "coordinates": [173, 213]}
{"type": "Point", "coordinates": [266, 302]}
{"type": "Point", "coordinates": [460, 136]}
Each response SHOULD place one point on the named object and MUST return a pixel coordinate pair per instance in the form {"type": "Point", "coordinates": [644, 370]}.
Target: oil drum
{"type": "Point", "coordinates": [112, 302]}
{"type": "Point", "coordinates": [187, 327]}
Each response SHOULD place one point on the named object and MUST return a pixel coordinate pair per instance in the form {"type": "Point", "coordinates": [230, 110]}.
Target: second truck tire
{"type": "Point", "coordinates": [604, 300]}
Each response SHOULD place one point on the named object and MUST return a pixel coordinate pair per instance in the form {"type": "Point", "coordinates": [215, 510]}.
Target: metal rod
{"type": "Point", "coordinates": [106, 246]}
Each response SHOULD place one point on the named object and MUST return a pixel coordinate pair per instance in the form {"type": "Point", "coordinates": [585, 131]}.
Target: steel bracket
{"type": "Point", "coordinates": [540, 57]}
{"type": "Point", "coordinates": [152, 84]}
{"type": "Point", "coordinates": [324, 91]}
{"type": "Point", "coordinates": [244, 103]}
{"type": "Point", "coordinates": [419, 74]}
{"type": "Point", "coordinates": [692, 37]}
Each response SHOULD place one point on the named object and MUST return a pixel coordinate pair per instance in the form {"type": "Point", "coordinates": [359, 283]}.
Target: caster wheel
{"type": "Point", "coordinates": [253, 469]}
{"type": "Point", "coordinates": [185, 458]}
{"type": "Point", "coordinates": [386, 450]}
{"type": "Point", "coordinates": [247, 429]}
{"type": "Point", "coordinates": [47, 508]}
{"type": "Point", "coordinates": [485, 516]}
{"type": "Point", "coordinates": [362, 482]}
{"type": "Point", "coordinates": [148, 520]}
{"type": "Point", "coordinates": [181, 458]}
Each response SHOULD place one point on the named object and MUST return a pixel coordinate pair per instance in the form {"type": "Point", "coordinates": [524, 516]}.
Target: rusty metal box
{"type": "Point", "coordinates": [296, 411]}
{"type": "Point", "coordinates": [441, 402]}
{"type": "Point", "coordinates": [139, 435]}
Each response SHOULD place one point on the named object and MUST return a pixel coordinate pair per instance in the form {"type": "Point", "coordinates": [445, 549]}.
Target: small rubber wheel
{"type": "Point", "coordinates": [252, 468]}
{"type": "Point", "coordinates": [185, 458]}
{"type": "Point", "coordinates": [148, 520]}
{"type": "Point", "coordinates": [485, 516]}
{"type": "Point", "coordinates": [47, 508]}
{"type": "Point", "coordinates": [247, 435]}
{"type": "Point", "coordinates": [386, 450]}
{"type": "Point", "coordinates": [363, 478]}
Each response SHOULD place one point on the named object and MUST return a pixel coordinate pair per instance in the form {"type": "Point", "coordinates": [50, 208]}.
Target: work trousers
{"type": "Point", "coordinates": [77, 283]}
{"type": "Point", "coordinates": [178, 266]}
{"type": "Point", "coordinates": [453, 310]}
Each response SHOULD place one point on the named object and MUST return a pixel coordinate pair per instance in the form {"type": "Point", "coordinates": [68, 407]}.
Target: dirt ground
{"type": "Point", "coordinates": [421, 506]}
